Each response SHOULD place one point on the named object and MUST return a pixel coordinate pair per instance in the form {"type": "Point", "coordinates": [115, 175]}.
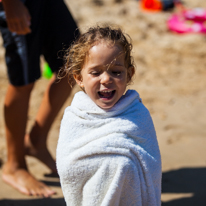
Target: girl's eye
{"type": "Point", "coordinates": [116, 73]}
{"type": "Point", "coordinates": [95, 73]}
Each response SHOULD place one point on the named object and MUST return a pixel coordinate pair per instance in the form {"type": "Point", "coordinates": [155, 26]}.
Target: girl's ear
{"type": "Point", "coordinates": [78, 80]}
{"type": "Point", "coordinates": [130, 73]}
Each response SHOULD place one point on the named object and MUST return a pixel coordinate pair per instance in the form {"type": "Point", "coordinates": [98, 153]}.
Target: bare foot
{"type": "Point", "coordinates": [40, 152]}
{"type": "Point", "coordinates": [24, 182]}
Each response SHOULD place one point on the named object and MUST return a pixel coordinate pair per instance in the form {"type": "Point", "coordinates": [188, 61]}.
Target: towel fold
{"type": "Point", "coordinates": [109, 158]}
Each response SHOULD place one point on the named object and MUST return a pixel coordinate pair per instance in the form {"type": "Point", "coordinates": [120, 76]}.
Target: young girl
{"type": "Point", "coordinates": [107, 152]}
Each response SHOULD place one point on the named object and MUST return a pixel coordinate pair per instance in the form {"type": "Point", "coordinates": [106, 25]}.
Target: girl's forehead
{"type": "Point", "coordinates": [108, 43]}
{"type": "Point", "coordinates": [105, 46]}
{"type": "Point", "coordinates": [105, 51]}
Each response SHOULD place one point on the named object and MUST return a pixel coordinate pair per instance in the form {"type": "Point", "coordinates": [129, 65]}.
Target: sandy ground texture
{"type": "Point", "coordinates": [171, 79]}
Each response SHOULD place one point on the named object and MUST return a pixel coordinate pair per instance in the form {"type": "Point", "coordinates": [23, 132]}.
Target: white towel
{"type": "Point", "coordinates": [109, 158]}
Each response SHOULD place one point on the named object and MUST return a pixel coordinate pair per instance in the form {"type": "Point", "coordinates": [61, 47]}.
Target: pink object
{"type": "Point", "coordinates": [189, 21]}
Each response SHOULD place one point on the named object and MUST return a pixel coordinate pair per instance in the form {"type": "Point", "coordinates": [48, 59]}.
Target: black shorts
{"type": "Point", "coordinates": [53, 29]}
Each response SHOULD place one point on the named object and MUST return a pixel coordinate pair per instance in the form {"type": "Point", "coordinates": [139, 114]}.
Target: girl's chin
{"type": "Point", "coordinates": [106, 106]}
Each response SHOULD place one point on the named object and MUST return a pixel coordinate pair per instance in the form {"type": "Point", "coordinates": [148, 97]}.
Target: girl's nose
{"type": "Point", "coordinates": [106, 78]}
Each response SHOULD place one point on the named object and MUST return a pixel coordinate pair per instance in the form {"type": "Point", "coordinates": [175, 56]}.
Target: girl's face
{"type": "Point", "coordinates": [104, 75]}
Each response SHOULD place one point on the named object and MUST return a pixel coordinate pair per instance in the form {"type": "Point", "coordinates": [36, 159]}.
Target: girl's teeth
{"type": "Point", "coordinates": [105, 91]}
{"type": "Point", "coordinates": [106, 94]}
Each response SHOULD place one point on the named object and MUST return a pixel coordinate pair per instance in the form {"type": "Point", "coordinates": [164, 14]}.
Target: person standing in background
{"type": "Point", "coordinates": [31, 28]}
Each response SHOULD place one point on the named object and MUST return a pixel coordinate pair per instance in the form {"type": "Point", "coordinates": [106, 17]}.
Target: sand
{"type": "Point", "coordinates": [170, 77]}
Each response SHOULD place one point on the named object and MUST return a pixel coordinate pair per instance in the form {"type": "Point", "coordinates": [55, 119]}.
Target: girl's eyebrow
{"type": "Point", "coordinates": [118, 64]}
{"type": "Point", "coordinates": [95, 67]}
{"type": "Point", "coordinates": [113, 62]}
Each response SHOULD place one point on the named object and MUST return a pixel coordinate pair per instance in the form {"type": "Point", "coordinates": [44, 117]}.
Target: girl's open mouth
{"type": "Point", "coordinates": [107, 94]}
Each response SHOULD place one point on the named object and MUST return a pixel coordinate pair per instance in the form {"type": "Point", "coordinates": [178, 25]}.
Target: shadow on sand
{"type": "Point", "coordinates": [34, 202]}
{"type": "Point", "coordinates": [186, 180]}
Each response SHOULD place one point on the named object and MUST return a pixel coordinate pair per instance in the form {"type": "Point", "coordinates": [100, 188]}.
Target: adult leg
{"type": "Point", "coordinates": [57, 30]}
{"type": "Point", "coordinates": [36, 142]}
{"type": "Point", "coordinates": [15, 170]}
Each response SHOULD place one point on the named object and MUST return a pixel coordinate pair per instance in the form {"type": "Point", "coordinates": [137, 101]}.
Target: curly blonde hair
{"type": "Point", "coordinates": [76, 54]}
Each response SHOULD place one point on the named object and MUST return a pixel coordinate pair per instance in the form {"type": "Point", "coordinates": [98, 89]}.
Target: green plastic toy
{"type": "Point", "coordinates": [47, 72]}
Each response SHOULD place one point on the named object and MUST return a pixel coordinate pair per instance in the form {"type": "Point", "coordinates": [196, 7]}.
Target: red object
{"type": "Point", "coordinates": [151, 5]}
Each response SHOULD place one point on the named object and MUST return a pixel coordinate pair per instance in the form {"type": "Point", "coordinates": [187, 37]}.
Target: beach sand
{"type": "Point", "coordinates": [171, 80]}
